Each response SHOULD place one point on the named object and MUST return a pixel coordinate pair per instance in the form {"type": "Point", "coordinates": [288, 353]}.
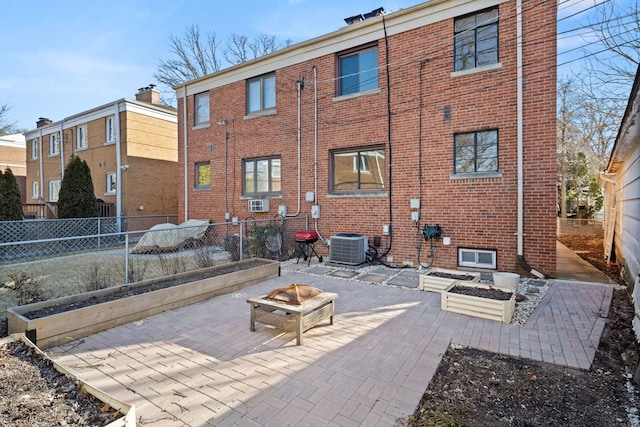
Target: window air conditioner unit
{"type": "Point", "coordinates": [258, 205]}
{"type": "Point", "coordinates": [347, 248]}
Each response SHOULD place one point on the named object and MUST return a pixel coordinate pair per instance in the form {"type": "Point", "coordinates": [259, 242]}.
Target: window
{"type": "Point", "coordinates": [111, 130]}
{"type": "Point", "coordinates": [480, 258]}
{"type": "Point", "coordinates": [111, 183]}
{"type": "Point", "coordinates": [54, 190]}
{"type": "Point", "coordinates": [476, 39]}
{"type": "Point", "coordinates": [203, 175]}
{"type": "Point", "coordinates": [35, 190]}
{"type": "Point", "coordinates": [201, 101]}
{"type": "Point", "coordinates": [261, 93]}
{"type": "Point", "coordinates": [34, 149]}
{"type": "Point", "coordinates": [54, 144]}
{"type": "Point", "coordinates": [262, 176]}
{"type": "Point", "coordinates": [358, 71]}
{"type": "Point", "coordinates": [81, 137]}
{"type": "Point", "coordinates": [476, 152]}
{"type": "Point", "coordinates": [358, 169]}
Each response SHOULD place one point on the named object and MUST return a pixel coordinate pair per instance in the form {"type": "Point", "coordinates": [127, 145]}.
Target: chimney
{"type": "Point", "coordinates": [148, 94]}
{"type": "Point", "coordinates": [42, 121]}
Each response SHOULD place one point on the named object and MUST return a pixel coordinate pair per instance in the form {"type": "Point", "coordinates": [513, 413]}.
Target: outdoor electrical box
{"type": "Point", "coordinates": [282, 211]}
{"type": "Point", "coordinates": [414, 203]}
{"type": "Point", "coordinates": [310, 196]}
{"type": "Point", "coordinates": [385, 229]}
{"type": "Point", "coordinates": [415, 216]}
{"type": "Point", "coordinates": [315, 211]}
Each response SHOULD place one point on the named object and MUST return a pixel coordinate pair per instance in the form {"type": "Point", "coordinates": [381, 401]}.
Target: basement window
{"type": "Point", "coordinates": [478, 258]}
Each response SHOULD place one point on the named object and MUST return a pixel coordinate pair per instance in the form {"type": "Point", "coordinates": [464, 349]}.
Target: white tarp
{"type": "Point", "coordinates": [170, 236]}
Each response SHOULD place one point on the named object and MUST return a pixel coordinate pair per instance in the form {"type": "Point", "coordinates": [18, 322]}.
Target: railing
{"type": "Point", "coordinates": [50, 210]}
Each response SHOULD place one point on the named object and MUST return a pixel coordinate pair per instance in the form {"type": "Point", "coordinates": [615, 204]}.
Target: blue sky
{"type": "Point", "coordinates": [59, 58]}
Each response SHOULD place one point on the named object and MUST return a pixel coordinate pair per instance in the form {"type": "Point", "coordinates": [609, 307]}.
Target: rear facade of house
{"type": "Point", "coordinates": [441, 116]}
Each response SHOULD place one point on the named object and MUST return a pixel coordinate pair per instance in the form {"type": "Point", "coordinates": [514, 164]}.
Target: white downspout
{"type": "Point", "coordinates": [315, 145]}
{"type": "Point", "coordinates": [61, 142]}
{"type": "Point", "coordinates": [186, 159]}
{"type": "Point", "coordinates": [299, 149]}
{"type": "Point", "coordinates": [116, 125]}
{"type": "Point", "coordinates": [40, 165]}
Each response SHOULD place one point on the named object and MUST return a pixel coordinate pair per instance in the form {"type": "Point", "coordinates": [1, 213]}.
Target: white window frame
{"type": "Point", "coordinates": [81, 138]}
{"type": "Point", "coordinates": [34, 149]}
{"type": "Point", "coordinates": [35, 190]}
{"type": "Point", "coordinates": [54, 144]}
{"type": "Point", "coordinates": [111, 188]}
{"type": "Point", "coordinates": [54, 190]}
{"type": "Point", "coordinates": [201, 109]}
{"type": "Point", "coordinates": [110, 130]}
{"type": "Point", "coordinates": [476, 263]}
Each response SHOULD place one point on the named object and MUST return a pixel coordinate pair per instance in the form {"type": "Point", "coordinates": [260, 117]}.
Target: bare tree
{"type": "Point", "coordinates": [7, 127]}
{"type": "Point", "coordinates": [194, 58]}
{"type": "Point", "coordinates": [240, 49]}
{"type": "Point", "coordinates": [237, 49]}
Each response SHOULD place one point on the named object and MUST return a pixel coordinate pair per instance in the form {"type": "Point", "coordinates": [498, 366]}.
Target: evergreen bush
{"type": "Point", "coordinates": [76, 198]}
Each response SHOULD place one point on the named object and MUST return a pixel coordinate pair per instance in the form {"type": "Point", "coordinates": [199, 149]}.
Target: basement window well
{"type": "Point", "coordinates": [478, 258]}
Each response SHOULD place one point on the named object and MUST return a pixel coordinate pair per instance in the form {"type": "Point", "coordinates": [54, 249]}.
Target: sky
{"type": "Point", "coordinates": [63, 57]}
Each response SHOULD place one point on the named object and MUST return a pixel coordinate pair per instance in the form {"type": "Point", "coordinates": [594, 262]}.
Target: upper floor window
{"type": "Point", "coordinates": [262, 176]}
{"type": "Point", "coordinates": [111, 183]}
{"type": "Point", "coordinates": [361, 169]}
{"type": "Point", "coordinates": [34, 149]}
{"type": "Point", "coordinates": [54, 190]}
{"type": "Point", "coordinates": [81, 137]}
{"type": "Point", "coordinates": [261, 93]}
{"type": "Point", "coordinates": [203, 175]}
{"type": "Point", "coordinates": [476, 151]}
{"type": "Point", "coordinates": [35, 190]}
{"type": "Point", "coordinates": [358, 71]}
{"type": "Point", "coordinates": [476, 39]}
{"type": "Point", "coordinates": [54, 144]}
{"type": "Point", "coordinates": [111, 130]}
{"type": "Point", "coordinates": [201, 102]}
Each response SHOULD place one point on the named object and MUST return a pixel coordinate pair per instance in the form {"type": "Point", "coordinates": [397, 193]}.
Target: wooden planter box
{"type": "Point", "coordinates": [477, 306]}
{"type": "Point", "coordinates": [74, 324]}
{"type": "Point", "coordinates": [429, 282]}
{"type": "Point", "coordinates": [128, 418]}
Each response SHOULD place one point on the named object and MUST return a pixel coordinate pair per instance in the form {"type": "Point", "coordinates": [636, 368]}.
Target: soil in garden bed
{"type": "Point", "coordinates": [495, 294]}
{"type": "Point", "coordinates": [35, 394]}
{"type": "Point", "coordinates": [451, 276]}
{"type": "Point", "coordinates": [124, 291]}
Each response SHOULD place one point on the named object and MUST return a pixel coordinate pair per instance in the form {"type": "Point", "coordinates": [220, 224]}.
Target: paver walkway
{"type": "Point", "coordinates": [200, 365]}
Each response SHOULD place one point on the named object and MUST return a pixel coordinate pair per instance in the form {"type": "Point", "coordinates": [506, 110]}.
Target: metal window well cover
{"type": "Point", "coordinates": [294, 294]}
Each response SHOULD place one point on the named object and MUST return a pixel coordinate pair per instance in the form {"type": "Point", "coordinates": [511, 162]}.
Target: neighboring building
{"type": "Point", "coordinates": [434, 114]}
{"type": "Point", "coordinates": [622, 198]}
{"type": "Point", "coordinates": [12, 156]}
{"type": "Point", "coordinates": [130, 147]}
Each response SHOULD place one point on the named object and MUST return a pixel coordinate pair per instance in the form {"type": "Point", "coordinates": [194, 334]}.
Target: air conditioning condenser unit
{"type": "Point", "coordinates": [347, 248]}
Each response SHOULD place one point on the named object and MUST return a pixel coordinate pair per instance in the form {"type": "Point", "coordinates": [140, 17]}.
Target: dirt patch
{"type": "Point", "coordinates": [591, 249]}
{"type": "Point", "coordinates": [443, 275]}
{"type": "Point", "coordinates": [479, 388]}
{"type": "Point", "coordinates": [489, 293]}
{"type": "Point", "coordinates": [35, 394]}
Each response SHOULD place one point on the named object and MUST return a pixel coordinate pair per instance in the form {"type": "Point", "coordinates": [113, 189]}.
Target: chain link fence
{"type": "Point", "coordinates": [94, 258]}
{"type": "Point", "coordinates": [585, 227]}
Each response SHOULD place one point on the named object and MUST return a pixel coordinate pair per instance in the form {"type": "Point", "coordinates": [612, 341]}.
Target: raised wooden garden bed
{"type": "Point", "coordinates": [120, 413]}
{"type": "Point", "coordinates": [123, 305]}
{"type": "Point", "coordinates": [487, 306]}
{"type": "Point", "coordinates": [438, 279]}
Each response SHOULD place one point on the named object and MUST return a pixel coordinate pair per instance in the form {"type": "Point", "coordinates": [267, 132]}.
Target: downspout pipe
{"type": "Point", "coordinates": [185, 154]}
{"type": "Point", "coordinates": [116, 125]}
{"type": "Point", "coordinates": [300, 85]}
{"type": "Point", "coordinates": [61, 143]}
{"type": "Point", "coordinates": [40, 165]}
{"type": "Point", "coordinates": [315, 147]}
{"type": "Point", "coordinates": [520, 137]}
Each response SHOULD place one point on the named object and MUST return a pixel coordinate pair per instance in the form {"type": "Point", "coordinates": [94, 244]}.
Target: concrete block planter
{"type": "Point", "coordinates": [438, 279]}
{"type": "Point", "coordinates": [486, 306]}
{"type": "Point", "coordinates": [122, 306]}
{"type": "Point", "coordinates": [125, 415]}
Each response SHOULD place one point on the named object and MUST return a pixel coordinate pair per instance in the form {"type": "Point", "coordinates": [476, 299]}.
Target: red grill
{"type": "Point", "coordinates": [306, 240]}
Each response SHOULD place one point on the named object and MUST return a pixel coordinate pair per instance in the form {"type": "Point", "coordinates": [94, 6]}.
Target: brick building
{"type": "Point", "coordinates": [439, 114]}
{"type": "Point", "coordinates": [12, 149]}
{"type": "Point", "coordinates": [129, 145]}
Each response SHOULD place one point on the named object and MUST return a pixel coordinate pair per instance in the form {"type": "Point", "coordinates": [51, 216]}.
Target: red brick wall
{"type": "Point", "coordinates": [474, 212]}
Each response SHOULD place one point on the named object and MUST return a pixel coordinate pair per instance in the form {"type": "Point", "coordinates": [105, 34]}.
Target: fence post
{"type": "Point", "coordinates": [98, 233]}
{"type": "Point", "coordinates": [241, 244]}
{"type": "Point", "coordinates": [126, 258]}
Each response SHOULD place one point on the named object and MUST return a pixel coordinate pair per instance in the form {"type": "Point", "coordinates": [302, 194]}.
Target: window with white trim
{"type": "Point", "coordinates": [81, 137]}
{"type": "Point", "coordinates": [54, 190]}
{"type": "Point", "coordinates": [479, 258]}
{"type": "Point", "coordinates": [261, 93]}
{"type": "Point", "coordinates": [476, 39]}
{"type": "Point", "coordinates": [54, 144]}
{"type": "Point", "coordinates": [111, 183]}
{"type": "Point", "coordinates": [201, 102]}
{"type": "Point", "coordinates": [111, 130]}
{"type": "Point", "coordinates": [35, 190]}
{"type": "Point", "coordinates": [358, 71]}
{"type": "Point", "coordinates": [34, 149]}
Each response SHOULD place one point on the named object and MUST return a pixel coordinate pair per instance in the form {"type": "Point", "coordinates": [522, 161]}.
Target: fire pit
{"type": "Point", "coordinates": [293, 308]}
